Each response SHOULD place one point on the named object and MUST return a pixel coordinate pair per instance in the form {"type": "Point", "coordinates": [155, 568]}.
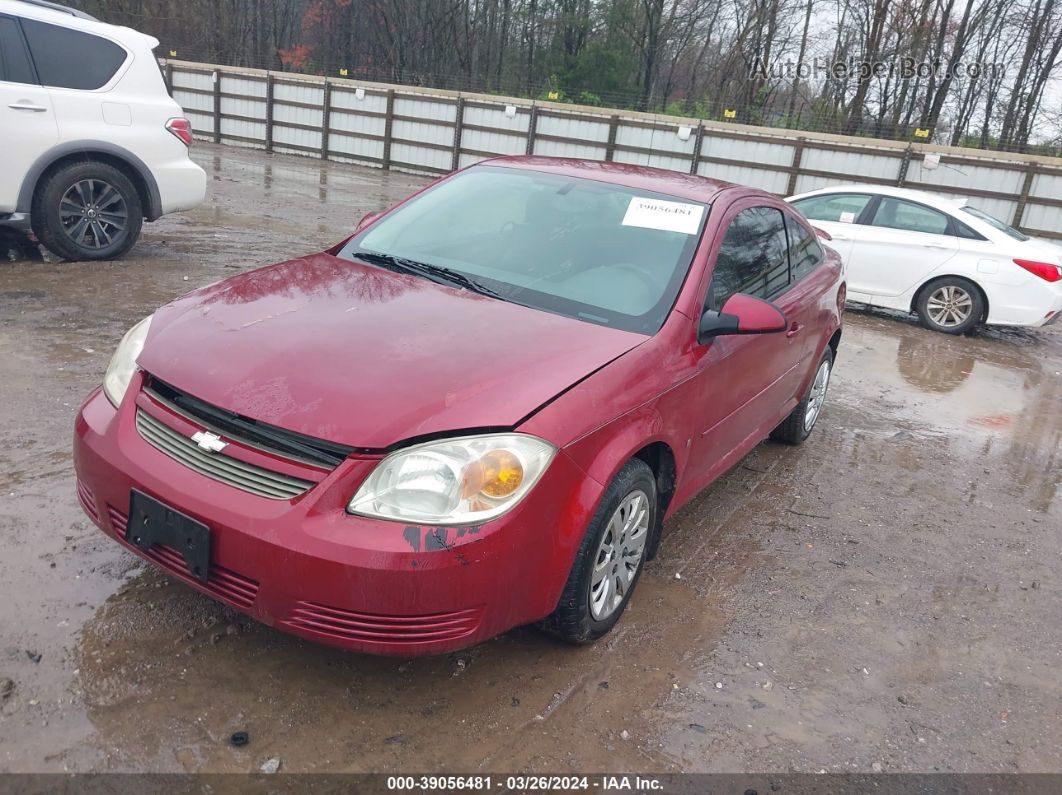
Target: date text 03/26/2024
{"type": "Point", "coordinates": [524, 783]}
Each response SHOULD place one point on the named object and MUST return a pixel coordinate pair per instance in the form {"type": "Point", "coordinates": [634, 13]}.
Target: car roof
{"type": "Point", "coordinates": [76, 20]}
{"type": "Point", "coordinates": [62, 9]}
{"type": "Point", "coordinates": [45, 11]}
{"type": "Point", "coordinates": [658, 180]}
{"type": "Point", "coordinates": [925, 197]}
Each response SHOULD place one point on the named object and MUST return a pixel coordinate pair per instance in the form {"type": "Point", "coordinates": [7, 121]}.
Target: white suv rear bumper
{"type": "Point", "coordinates": [181, 184]}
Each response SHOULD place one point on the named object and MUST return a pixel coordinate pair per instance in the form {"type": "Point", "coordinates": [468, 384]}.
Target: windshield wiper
{"type": "Point", "coordinates": [436, 273]}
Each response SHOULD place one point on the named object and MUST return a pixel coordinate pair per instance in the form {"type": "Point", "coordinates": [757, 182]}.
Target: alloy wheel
{"type": "Point", "coordinates": [93, 213]}
{"type": "Point", "coordinates": [949, 306]}
{"type": "Point", "coordinates": [619, 555]}
{"type": "Point", "coordinates": [817, 396]}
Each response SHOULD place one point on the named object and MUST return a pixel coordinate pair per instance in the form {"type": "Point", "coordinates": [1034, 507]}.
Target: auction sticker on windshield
{"type": "Point", "coordinates": [664, 215]}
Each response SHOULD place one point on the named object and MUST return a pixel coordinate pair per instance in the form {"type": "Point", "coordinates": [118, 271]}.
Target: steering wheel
{"type": "Point", "coordinates": [652, 288]}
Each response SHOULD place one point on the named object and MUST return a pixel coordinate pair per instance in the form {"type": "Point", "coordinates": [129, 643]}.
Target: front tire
{"type": "Point", "coordinates": [795, 428]}
{"type": "Point", "coordinates": [951, 305]}
{"type": "Point", "coordinates": [610, 559]}
{"type": "Point", "coordinates": [87, 210]}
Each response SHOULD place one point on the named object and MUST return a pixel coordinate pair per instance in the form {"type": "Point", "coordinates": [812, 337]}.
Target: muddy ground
{"type": "Point", "coordinates": [885, 597]}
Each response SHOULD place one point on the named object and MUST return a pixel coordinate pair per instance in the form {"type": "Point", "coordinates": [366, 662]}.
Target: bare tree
{"type": "Point", "coordinates": [647, 54]}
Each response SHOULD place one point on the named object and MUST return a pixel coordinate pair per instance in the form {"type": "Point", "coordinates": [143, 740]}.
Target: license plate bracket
{"type": "Point", "coordinates": [152, 522]}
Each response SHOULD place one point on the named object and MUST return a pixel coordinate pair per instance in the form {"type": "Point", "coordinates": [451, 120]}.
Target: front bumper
{"type": "Point", "coordinates": [307, 567]}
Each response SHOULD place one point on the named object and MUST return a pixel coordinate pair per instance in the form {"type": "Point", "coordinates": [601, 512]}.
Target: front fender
{"type": "Point", "coordinates": [603, 452]}
{"type": "Point", "coordinates": [637, 400]}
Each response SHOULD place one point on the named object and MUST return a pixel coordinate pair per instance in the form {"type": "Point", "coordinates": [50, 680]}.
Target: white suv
{"type": "Point", "coordinates": [92, 143]}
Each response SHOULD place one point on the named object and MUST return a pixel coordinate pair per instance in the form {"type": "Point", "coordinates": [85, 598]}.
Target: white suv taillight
{"type": "Point", "coordinates": [182, 128]}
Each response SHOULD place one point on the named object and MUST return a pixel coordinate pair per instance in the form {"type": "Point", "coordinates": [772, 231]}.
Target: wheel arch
{"type": "Point", "coordinates": [835, 343]}
{"type": "Point", "coordinates": [936, 277]}
{"type": "Point", "coordinates": [603, 457]}
{"type": "Point", "coordinates": [122, 159]}
{"type": "Point", "coordinates": [661, 460]}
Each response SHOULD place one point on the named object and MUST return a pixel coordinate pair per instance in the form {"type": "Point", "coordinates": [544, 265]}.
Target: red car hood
{"type": "Point", "coordinates": [361, 356]}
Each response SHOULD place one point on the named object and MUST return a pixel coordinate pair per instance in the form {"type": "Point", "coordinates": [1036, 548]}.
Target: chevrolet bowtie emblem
{"type": "Point", "coordinates": [210, 442]}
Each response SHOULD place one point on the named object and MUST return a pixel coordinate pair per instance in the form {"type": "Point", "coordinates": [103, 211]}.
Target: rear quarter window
{"type": "Point", "coordinates": [908, 216]}
{"type": "Point", "coordinates": [67, 58]}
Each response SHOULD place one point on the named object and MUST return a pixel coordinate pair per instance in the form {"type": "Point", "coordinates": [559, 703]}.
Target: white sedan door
{"type": "Point", "coordinates": [903, 243]}
{"type": "Point", "coordinates": [835, 214]}
{"type": "Point", "coordinates": [27, 122]}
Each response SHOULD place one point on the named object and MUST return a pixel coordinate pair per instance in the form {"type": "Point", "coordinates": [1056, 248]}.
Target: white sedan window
{"type": "Point", "coordinates": [899, 214]}
{"type": "Point", "coordinates": [992, 221]}
{"type": "Point", "coordinates": [840, 207]}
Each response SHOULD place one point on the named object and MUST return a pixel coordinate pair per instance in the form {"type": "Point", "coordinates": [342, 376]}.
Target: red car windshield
{"type": "Point", "coordinates": [590, 250]}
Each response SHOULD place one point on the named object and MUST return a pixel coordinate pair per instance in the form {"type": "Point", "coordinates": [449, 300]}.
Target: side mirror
{"type": "Point", "coordinates": [741, 314]}
{"type": "Point", "coordinates": [366, 219]}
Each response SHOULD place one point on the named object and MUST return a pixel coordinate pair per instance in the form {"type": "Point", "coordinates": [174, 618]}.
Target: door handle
{"type": "Point", "coordinates": [794, 330]}
{"type": "Point", "coordinates": [27, 105]}
{"type": "Point", "coordinates": [934, 245]}
{"type": "Point", "coordinates": [841, 237]}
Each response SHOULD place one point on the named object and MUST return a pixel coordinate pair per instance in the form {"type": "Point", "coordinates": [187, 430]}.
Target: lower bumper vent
{"type": "Point", "coordinates": [88, 502]}
{"type": "Point", "coordinates": [349, 625]}
{"type": "Point", "coordinates": [223, 584]}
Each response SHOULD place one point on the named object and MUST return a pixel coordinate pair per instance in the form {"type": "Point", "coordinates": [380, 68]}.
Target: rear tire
{"type": "Point", "coordinates": [951, 305]}
{"type": "Point", "coordinates": [795, 428]}
{"type": "Point", "coordinates": [610, 559]}
{"type": "Point", "coordinates": [87, 210]}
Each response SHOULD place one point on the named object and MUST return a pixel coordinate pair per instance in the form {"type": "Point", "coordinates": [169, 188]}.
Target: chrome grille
{"type": "Point", "coordinates": [248, 432]}
{"type": "Point", "coordinates": [226, 469]}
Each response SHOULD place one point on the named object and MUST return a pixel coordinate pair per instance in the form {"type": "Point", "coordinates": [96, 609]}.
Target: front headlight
{"type": "Point", "coordinates": [454, 481]}
{"type": "Point", "coordinates": [123, 363]}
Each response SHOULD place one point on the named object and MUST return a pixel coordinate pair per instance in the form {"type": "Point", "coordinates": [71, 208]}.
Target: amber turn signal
{"type": "Point", "coordinates": [502, 473]}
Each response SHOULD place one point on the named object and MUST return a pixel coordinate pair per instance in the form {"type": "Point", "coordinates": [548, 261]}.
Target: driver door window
{"type": "Point", "coordinates": [752, 258]}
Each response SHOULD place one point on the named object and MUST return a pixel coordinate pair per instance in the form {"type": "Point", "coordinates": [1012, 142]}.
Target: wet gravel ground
{"type": "Point", "coordinates": [885, 597]}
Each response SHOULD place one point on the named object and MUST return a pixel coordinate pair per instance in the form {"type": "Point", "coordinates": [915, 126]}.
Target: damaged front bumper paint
{"type": "Point", "coordinates": [308, 567]}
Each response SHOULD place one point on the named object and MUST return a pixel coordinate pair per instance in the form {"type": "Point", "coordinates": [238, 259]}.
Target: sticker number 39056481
{"type": "Point", "coordinates": [664, 215]}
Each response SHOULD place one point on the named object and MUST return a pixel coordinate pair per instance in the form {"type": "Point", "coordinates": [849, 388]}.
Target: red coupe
{"type": "Point", "coordinates": [474, 413]}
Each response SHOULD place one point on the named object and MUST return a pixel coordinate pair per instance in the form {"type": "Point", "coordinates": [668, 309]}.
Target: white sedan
{"type": "Point", "coordinates": [947, 261]}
